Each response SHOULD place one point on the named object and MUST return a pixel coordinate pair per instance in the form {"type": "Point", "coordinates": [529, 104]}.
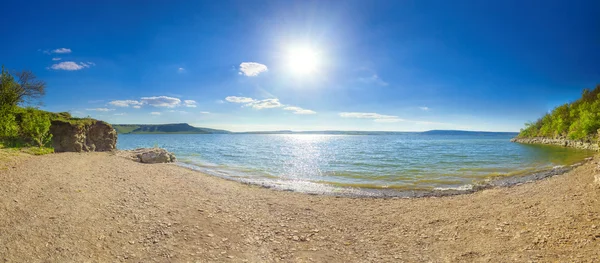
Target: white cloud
{"type": "Point", "coordinates": [236, 99]}
{"type": "Point", "coordinates": [205, 112]}
{"type": "Point", "coordinates": [61, 51]}
{"type": "Point", "coordinates": [298, 110]}
{"type": "Point", "coordinates": [161, 101]}
{"type": "Point", "coordinates": [219, 101]}
{"type": "Point", "coordinates": [369, 115]}
{"type": "Point", "coordinates": [265, 104]}
{"type": "Point", "coordinates": [100, 109]}
{"type": "Point", "coordinates": [366, 115]}
{"type": "Point", "coordinates": [424, 108]}
{"type": "Point", "coordinates": [189, 103]}
{"type": "Point", "coordinates": [178, 111]}
{"type": "Point", "coordinates": [373, 79]}
{"type": "Point", "coordinates": [71, 66]}
{"type": "Point", "coordinates": [56, 59]}
{"type": "Point", "coordinates": [125, 103]}
{"type": "Point", "coordinates": [136, 106]}
{"type": "Point", "coordinates": [155, 113]}
{"type": "Point", "coordinates": [119, 114]}
{"type": "Point", "coordinates": [252, 69]}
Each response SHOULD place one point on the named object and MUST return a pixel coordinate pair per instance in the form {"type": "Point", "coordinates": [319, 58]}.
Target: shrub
{"type": "Point", "coordinates": [35, 126]}
{"type": "Point", "coordinates": [9, 129]}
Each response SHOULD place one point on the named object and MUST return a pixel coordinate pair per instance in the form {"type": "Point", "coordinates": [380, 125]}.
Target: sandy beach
{"type": "Point", "coordinates": [98, 207]}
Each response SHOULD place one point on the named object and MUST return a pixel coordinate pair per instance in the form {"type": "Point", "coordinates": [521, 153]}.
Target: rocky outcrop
{"type": "Point", "coordinates": [586, 145]}
{"type": "Point", "coordinates": [83, 136]}
{"type": "Point", "coordinates": [148, 155]}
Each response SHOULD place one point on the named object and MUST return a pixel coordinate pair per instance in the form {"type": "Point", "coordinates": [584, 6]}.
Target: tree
{"type": "Point", "coordinates": [8, 89]}
{"type": "Point", "coordinates": [26, 88]}
{"type": "Point", "coordinates": [35, 125]}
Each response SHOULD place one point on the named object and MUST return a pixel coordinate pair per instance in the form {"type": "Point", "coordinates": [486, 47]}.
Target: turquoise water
{"type": "Point", "coordinates": [410, 161]}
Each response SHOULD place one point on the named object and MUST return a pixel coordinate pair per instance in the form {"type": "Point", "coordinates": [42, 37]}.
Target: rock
{"type": "Point", "coordinates": [148, 155]}
{"type": "Point", "coordinates": [597, 180]}
{"type": "Point", "coordinates": [579, 144]}
{"type": "Point", "coordinates": [84, 136]}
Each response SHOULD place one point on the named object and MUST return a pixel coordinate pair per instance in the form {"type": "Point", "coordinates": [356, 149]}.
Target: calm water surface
{"type": "Point", "coordinates": [409, 161]}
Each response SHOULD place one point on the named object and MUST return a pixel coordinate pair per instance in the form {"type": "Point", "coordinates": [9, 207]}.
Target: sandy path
{"type": "Point", "coordinates": [101, 208]}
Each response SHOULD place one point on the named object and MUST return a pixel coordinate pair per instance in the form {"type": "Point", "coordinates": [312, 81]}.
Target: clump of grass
{"type": "Point", "coordinates": [37, 150]}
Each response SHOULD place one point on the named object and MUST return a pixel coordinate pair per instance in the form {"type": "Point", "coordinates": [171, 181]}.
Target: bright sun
{"type": "Point", "coordinates": [303, 61]}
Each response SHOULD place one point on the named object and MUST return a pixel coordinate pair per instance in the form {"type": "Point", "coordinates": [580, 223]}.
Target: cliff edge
{"type": "Point", "coordinates": [87, 135]}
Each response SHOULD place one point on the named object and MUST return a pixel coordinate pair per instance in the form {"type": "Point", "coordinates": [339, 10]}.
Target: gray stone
{"type": "Point", "coordinates": [148, 155]}
{"type": "Point", "coordinates": [583, 144]}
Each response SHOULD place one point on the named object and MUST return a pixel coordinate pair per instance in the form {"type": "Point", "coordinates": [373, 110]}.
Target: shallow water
{"type": "Point", "coordinates": [405, 161]}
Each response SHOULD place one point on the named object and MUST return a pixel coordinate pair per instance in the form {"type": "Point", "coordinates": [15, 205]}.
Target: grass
{"type": "Point", "coordinates": [37, 150]}
{"type": "Point", "coordinates": [18, 149]}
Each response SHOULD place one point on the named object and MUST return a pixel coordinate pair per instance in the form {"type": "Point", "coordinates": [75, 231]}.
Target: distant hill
{"type": "Point", "coordinates": [459, 132]}
{"type": "Point", "coordinates": [180, 128]}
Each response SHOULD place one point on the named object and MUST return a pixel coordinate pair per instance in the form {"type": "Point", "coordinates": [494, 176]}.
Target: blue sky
{"type": "Point", "coordinates": [307, 65]}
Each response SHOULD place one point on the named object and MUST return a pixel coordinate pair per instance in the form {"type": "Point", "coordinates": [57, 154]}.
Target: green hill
{"type": "Point", "coordinates": [181, 128]}
{"type": "Point", "coordinates": [579, 120]}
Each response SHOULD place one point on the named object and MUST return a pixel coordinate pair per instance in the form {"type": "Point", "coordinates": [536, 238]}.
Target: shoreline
{"type": "Point", "coordinates": [577, 144]}
{"type": "Point", "coordinates": [315, 188]}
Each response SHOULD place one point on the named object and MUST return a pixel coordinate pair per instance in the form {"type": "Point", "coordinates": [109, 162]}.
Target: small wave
{"type": "Point", "coordinates": [466, 187]}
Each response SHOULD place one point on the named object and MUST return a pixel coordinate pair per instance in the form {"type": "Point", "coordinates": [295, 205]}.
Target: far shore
{"type": "Point", "coordinates": [98, 207]}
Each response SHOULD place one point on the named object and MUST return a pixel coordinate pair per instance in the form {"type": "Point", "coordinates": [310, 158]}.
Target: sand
{"type": "Point", "coordinates": [97, 207]}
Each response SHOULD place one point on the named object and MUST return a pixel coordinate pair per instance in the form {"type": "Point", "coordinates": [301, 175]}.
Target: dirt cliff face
{"type": "Point", "coordinates": [93, 136]}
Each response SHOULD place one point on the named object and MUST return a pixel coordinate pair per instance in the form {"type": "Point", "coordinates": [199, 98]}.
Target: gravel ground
{"type": "Point", "coordinates": [97, 207]}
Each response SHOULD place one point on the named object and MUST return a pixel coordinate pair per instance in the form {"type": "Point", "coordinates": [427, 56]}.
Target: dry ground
{"type": "Point", "coordinates": [98, 207]}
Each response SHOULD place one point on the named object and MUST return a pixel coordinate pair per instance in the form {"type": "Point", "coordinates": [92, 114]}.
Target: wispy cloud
{"type": "Point", "coordinates": [71, 66]}
{"type": "Point", "coordinates": [56, 59]}
{"type": "Point", "coordinates": [298, 110]}
{"type": "Point", "coordinates": [125, 103]}
{"type": "Point", "coordinates": [119, 114]}
{"type": "Point", "coordinates": [161, 101]}
{"type": "Point", "coordinates": [236, 99]}
{"type": "Point", "coordinates": [178, 111]}
{"type": "Point", "coordinates": [189, 103]}
{"type": "Point", "coordinates": [155, 113]}
{"type": "Point", "coordinates": [373, 79]}
{"type": "Point", "coordinates": [181, 70]}
{"type": "Point", "coordinates": [205, 112]}
{"type": "Point", "coordinates": [370, 115]}
{"type": "Point", "coordinates": [265, 104]}
{"type": "Point", "coordinates": [252, 69]}
{"type": "Point", "coordinates": [61, 51]}
{"type": "Point", "coordinates": [424, 108]}
{"type": "Point", "coordinates": [136, 107]}
{"type": "Point", "coordinates": [100, 109]}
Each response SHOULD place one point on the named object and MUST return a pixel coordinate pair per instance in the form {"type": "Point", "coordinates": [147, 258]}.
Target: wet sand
{"type": "Point", "coordinates": [97, 207]}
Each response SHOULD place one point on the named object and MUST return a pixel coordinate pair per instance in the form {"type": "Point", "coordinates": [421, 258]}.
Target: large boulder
{"type": "Point", "coordinates": [83, 136]}
{"type": "Point", "coordinates": [148, 155]}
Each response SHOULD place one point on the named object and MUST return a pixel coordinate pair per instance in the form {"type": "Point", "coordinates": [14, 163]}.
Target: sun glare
{"type": "Point", "coordinates": [303, 61]}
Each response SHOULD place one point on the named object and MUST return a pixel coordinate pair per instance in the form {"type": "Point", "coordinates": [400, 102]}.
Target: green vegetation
{"type": "Point", "coordinates": [177, 128]}
{"type": "Point", "coordinates": [23, 127]}
{"type": "Point", "coordinates": [579, 120]}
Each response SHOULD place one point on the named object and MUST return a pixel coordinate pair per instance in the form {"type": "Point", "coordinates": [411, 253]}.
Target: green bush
{"type": "Point", "coordinates": [579, 120]}
{"type": "Point", "coordinates": [35, 126]}
{"type": "Point", "coordinates": [9, 129]}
